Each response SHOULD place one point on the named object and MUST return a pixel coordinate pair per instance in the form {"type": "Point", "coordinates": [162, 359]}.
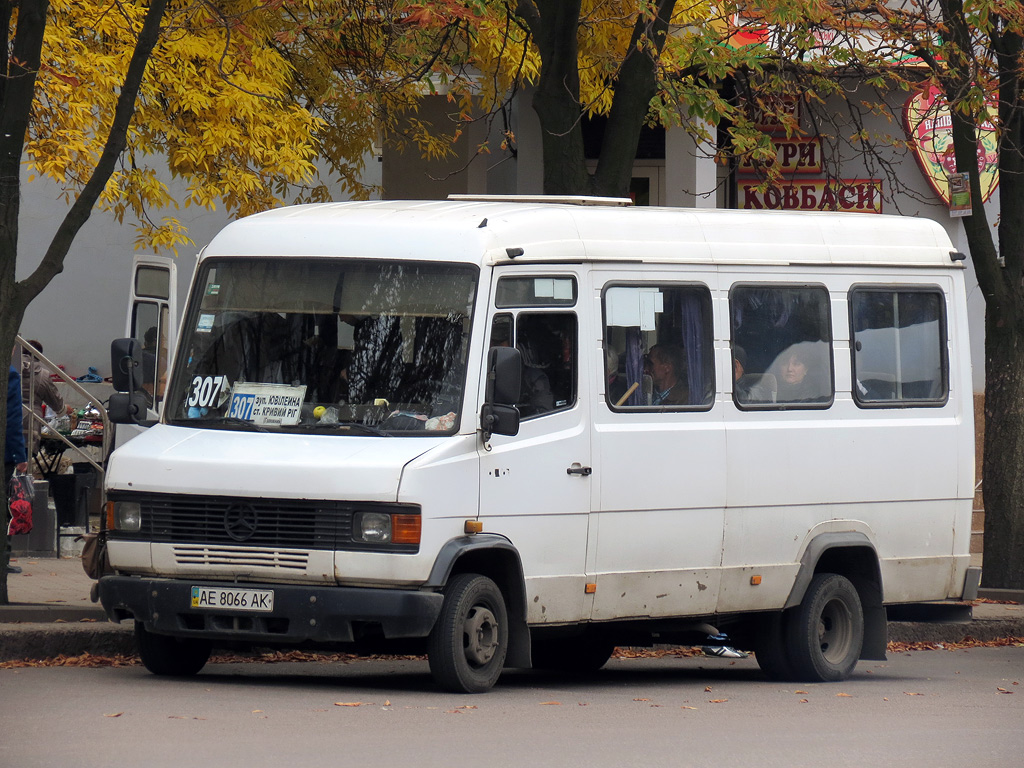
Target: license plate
{"type": "Point", "coordinates": [233, 599]}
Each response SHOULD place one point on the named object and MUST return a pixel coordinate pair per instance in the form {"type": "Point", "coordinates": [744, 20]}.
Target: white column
{"type": "Point", "coordinates": [691, 176]}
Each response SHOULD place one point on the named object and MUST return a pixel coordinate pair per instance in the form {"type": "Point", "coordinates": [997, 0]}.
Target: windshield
{"type": "Point", "coordinates": [365, 347]}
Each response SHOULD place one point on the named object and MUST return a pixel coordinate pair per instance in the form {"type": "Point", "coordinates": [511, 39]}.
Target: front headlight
{"type": "Point", "coordinates": [127, 516]}
{"type": "Point", "coordinates": [373, 527]}
{"type": "Point", "coordinates": [387, 528]}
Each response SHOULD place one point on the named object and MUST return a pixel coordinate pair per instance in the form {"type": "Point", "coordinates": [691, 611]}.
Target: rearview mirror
{"type": "Point", "coordinates": [126, 365]}
{"type": "Point", "coordinates": [504, 376]}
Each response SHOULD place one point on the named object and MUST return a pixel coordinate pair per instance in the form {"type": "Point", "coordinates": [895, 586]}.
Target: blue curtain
{"type": "Point", "coordinates": [634, 365]}
{"type": "Point", "coordinates": [684, 307]}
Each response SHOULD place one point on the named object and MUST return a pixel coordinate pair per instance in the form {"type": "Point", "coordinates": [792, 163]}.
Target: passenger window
{"type": "Point", "coordinates": [659, 349]}
{"type": "Point", "coordinates": [899, 343]}
{"type": "Point", "coordinates": [781, 346]}
{"type": "Point", "coordinates": [547, 343]}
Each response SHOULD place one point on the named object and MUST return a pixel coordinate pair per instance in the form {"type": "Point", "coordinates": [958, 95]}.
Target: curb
{"type": "Point", "coordinates": [46, 641]}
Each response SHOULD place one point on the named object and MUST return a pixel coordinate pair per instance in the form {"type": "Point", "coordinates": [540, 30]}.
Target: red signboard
{"type": "Point", "coordinates": [858, 195]}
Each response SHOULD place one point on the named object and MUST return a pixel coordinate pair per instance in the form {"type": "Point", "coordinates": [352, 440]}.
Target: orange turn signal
{"type": "Point", "coordinates": [405, 529]}
{"type": "Point", "coordinates": [110, 515]}
{"type": "Point", "coordinates": [590, 589]}
{"type": "Point", "coordinates": [755, 580]}
{"type": "Point", "coordinates": [473, 526]}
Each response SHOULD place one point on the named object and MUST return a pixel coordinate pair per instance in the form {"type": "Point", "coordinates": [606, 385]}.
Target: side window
{"type": "Point", "coordinates": [659, 348]}
{"type": "Point", "coordinates": [150, 323]}
{"type": "Point", "coordinates": [547, 342]}
{"type": "Point", "coordinates": [899, 345]}
{"type": "Point", "coordinates": [781, 346]}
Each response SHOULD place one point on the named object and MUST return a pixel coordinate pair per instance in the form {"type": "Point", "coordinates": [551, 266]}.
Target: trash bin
{"type": "Point", "coordinates": [71, 497]}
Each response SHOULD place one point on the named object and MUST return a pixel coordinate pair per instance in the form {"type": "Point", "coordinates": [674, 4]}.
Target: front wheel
{"type": "Point", "coordinates": [467, 647]}
{"type": "Point", "coordinates": [826, 631]}
{"type": "Point", "coordinates": [171, 656]}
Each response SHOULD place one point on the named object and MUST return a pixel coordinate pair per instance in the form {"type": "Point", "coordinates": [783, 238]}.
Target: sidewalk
{"type": "Point", "coordinates": [51, 615]}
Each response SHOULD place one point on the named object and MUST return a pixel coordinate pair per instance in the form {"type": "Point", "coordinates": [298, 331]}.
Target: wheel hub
{"type": "Point", "coordinates": [480, 635]}
{"type": "Point", "coordinates": [835, 630]}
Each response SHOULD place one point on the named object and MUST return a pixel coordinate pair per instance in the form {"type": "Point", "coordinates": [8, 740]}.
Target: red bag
{"type": "Point", "coordinates": [20, 501]}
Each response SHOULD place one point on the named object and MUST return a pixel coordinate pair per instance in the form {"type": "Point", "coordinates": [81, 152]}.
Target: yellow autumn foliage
{"type": "Point", "coordinates": [214, 112]}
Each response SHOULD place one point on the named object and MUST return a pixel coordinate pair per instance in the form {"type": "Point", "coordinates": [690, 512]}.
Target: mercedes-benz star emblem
{"type": "Point", "coordinates": [240, 522]}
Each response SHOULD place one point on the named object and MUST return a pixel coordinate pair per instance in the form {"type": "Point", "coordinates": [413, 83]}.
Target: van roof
{"type": "Point", "coordinates": [534, 230]}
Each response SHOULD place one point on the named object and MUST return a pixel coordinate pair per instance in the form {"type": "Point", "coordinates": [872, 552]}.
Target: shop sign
{"type": "Point", "coordinates": [857, 195]}
{"type": "Point", "coordinates": [792, 155]}
{"type": "Point", "coordinates": [929, 124]}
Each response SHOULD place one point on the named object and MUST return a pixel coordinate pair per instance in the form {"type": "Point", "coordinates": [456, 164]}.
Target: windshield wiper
{"type": "Point", "coordinates": [229, 421]}
{"type": "Point", "coordinates": [366, 428]}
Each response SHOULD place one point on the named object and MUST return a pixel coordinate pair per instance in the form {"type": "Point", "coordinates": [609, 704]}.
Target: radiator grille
{"type": "Point", "coordinates": [240, 557]}
{"type": "Point", "coordinates": [209, 528]}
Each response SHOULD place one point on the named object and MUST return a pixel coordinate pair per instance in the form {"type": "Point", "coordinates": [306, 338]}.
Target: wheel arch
{"type": "Point", "coordinates": [853, 555]}
{"type": "Point", "coordinates": [496, 558]}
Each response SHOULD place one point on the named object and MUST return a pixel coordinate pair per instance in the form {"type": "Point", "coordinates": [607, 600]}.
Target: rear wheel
{"type": "Point", "coordinates": [571, 655]}
{"type": "Point", "coordinates": [826, 631]}
{"type": "Point", "coordinates": [467, 647]}
{"type": "Point", "coordinates": [171, 656]}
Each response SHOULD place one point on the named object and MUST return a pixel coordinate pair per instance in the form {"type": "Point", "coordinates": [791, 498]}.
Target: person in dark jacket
{"type": "Point", "coordinates": [14, 453]}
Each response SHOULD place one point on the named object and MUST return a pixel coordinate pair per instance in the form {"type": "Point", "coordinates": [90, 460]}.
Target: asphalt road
{"type": "Point", "coordinates": [934, 708]}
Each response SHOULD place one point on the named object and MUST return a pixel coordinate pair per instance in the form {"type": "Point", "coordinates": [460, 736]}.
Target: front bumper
{"type": "Point", "coordinates": [301, 613]}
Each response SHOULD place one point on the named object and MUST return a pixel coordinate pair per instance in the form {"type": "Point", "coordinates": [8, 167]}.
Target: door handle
{"type": "Point", "coordinates": [576, 469]}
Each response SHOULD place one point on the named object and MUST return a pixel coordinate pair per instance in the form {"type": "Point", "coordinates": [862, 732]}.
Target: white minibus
{"type": "Point", "coordinates": [521, 432]}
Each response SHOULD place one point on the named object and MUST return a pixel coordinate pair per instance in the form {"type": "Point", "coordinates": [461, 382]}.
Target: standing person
{"type": "Point", "coordinates": [14, 454]}
{"type": "Point", "coordinates": [37, 388]}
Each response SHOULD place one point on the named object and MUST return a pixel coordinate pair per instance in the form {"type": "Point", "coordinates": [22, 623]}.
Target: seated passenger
{"type": "Point", "coordinates": [535, 396]}
{"type": "Point", "coordinates": [667, 370]}
{"type": "Point", "coordinates": [800, 379]}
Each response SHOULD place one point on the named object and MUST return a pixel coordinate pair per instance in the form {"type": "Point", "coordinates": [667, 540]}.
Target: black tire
{"type": "Point", "coordinates": [171, 656]}
{"type": "Point", "coordinates": [467, 647]}
{"type": "Point", "coordinates": [770, 647]}
{"type": "Point", "coordinates": [571, 655]}
{"type": "Point", "coordinates": [826, 631]}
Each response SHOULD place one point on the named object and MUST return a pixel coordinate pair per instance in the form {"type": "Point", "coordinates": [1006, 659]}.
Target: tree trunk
{"type": "Point", "coordinates": [635, 86]}
{"type": "Point", "coordinates": [1003, 486]}
{"type": "Point", "coordinates": [556, 101]}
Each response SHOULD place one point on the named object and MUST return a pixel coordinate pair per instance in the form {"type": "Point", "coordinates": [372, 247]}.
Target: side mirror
{"type": "Point", "coordinates": [499, 420]}
{"type": "Point", "coordinates": [499, 414]}
{"type": "Point", "coordinates": [127, 407]}
{"type": "Point", "coordinates": [126, 365]}
{"type": "Point", "coordinates": [504, 376]}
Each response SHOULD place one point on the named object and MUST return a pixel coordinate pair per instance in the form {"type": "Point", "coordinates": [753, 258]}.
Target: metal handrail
{"type": "Point", "coordinates": [28, 409]}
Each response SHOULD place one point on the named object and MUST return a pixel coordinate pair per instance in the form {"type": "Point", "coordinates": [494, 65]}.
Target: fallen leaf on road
{"type": "Point", "coordinates": [844, 695]}
{"type": "Point", "coordinates": [467, 706]}
{"type": "Point", "coordinates": [803, 701]}
{"type": "Point", "coordinates": [641, 699]}
{"type": "Point", "coordinates": [582, 703]}
{"type": "Point", "coordinates": [114, 714]}
{"type": "Point", "coordinates": [803, 692]}
{"type": "Point", "coordinates": [93, 621]}
{"type": "Point", "coordinates": [717, 701]}
{"type": "Point", "coordinates": [908, 693]}
{"type": "Point", "coordinates": [707, 689]}
{"type": "Point", "coordinates": [387, 702]}
{"type": "Point", "coordinates": [350, 703]}
{"type": "Point", "coordinates": [1003, 690]}
{"type": "Point", "coordinates": [551, 703]}
{"type": "Point", "coordinates": [687, 707]}
{"type": "Point", "coordinates": [257, 711]}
